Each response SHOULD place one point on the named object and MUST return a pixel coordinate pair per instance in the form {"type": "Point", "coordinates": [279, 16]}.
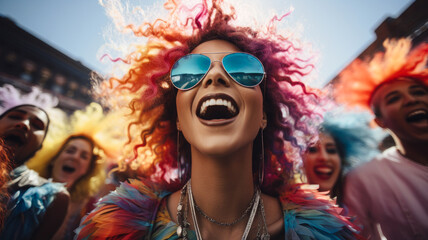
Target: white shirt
{"type": "Point", "coordinates": [389, 195]}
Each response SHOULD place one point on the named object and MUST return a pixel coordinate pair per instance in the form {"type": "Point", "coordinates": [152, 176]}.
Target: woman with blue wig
{"type": "Point", "coordinates": [345, 140]}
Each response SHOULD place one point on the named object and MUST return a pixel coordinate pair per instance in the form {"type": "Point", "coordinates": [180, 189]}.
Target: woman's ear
{"type": "Point", "coordinates": [264, 121]}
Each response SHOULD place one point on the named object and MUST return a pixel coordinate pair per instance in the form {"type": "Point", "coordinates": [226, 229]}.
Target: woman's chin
{"type": "Point", "coordinates": [219, 149]}
{"type": "Point", "coordinates": [325, 187]}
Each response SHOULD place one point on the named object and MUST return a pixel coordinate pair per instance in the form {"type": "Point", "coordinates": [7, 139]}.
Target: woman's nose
{"type": "Point", "coordinates": [323, 155]}
{"type": "Point", "coordinates": [75, 156]}
{"type": "Point", "coordinates": [216, 76]}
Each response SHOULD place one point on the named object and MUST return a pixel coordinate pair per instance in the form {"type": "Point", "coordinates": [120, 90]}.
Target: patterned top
{"type": "Point", "coordinates": [135, 210]}
{"type": "Point", "coordinates": [30, 196]}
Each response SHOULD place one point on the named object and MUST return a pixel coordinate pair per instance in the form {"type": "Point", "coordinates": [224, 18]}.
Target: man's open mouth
{"type": "Point", "coordinates": [417, 116]}
{"type": "Point", "coordinates": [217, 106]}
{"type": "Point", "coordinates": [15, 139]}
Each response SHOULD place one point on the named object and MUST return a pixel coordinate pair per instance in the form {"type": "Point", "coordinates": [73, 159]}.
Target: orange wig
{"type": "Point", "coordinates": [359, 81]}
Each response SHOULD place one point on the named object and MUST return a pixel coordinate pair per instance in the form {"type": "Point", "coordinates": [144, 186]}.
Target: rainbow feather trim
{"type": "Point", "coordinates": [126, 213]}
{"type": "Point", "coordinates": [136, 210]}
{"type": "Point", "coordinates": [309, 214]}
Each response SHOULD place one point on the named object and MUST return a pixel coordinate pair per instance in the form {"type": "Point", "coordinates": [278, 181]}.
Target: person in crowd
{"type": "Point", "coordinates": [346, 140]}
{"type": "Point", "coordinates": [76, 156]}
{"type": "Point", "coordinates": [5, 168]}
{"type": "Point", "coordinates": [213, 102]}
{"type": "Point", "coordinates": [37, 207]}
{"type": "Point", "coordinates": [388, 194]}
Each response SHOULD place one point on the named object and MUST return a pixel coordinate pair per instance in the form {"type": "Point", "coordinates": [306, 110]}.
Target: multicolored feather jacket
{"type": "Point", "coordinates": [135, 210]}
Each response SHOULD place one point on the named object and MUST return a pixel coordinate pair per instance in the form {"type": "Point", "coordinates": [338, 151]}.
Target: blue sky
{"type": "Point", "coordinates": [338, 29]}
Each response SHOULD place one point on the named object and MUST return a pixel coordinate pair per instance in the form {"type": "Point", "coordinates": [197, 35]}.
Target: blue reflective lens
{"type": "Point", "coordinates": [189, 70]}
{"type": "Point", "coordinates": [244, 68]}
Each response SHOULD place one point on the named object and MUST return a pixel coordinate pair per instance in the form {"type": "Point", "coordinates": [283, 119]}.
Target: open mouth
{"type": "Point", "coordinates": [417, 116]}
{"type": "Point", "coordinates": [68, 169]}
{"type": "Point", "coordinates": [14, 139]}
{"type": "Point", "coordinates": [323, 172]}
{"type": "Point", "coordinates": [217, 106]}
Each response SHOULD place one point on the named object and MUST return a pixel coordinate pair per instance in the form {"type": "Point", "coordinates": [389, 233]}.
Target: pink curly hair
{"type": "Point", "coordinates": [359, 81]}
{"type": "Point", "coordinates": [287, 102]}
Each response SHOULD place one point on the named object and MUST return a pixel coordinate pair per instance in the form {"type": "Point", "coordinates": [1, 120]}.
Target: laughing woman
{"type": "Point", "coordinates": [345, 141]}
{"type": "Point", "coordinates": [213, 102]}
{"type": "Point", "coordinates": [75, 155]}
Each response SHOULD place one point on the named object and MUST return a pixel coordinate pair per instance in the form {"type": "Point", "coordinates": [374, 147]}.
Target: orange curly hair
{"type": "Point", "coordinates": [358, 82]}
{"type": "Point", "coordinates": [5, 168]}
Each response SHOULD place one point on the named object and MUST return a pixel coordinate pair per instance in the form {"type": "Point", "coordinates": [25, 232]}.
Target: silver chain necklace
{"type": "Point", "coordinates": [184, 225]}
{"type": "Point", "coordinates": [228, 224]}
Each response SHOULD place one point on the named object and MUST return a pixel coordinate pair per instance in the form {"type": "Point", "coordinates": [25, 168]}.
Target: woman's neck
{"type": "Point", "coordinates": [223, 185]}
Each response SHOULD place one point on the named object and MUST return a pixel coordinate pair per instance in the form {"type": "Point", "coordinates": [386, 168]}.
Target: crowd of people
{"type": "Point", "coordinates": [213, 133]}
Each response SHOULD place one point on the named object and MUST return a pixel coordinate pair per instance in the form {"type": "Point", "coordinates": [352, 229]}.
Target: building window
{"type": "Point", "coordinates": [59, 82]}
{"type": "Point", "coordinates": [28, 68]}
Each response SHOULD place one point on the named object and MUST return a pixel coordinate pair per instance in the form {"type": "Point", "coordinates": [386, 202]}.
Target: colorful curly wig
{"type": "Point", "coordinates": [358, 82]}
{"type": "Point", "coordinates": [152, 132]}
{"type": "Point", "coordinates": [92, 125]}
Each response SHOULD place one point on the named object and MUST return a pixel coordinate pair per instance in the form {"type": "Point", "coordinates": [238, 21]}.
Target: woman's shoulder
{"type": "Point", "coordinates": [309, 214]}
{"type": "Point", "coordinates": [129, 211]}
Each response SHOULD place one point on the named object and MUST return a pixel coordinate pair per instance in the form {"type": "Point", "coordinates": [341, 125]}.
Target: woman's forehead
{"type": "Point", "coordinates": [216, 45]}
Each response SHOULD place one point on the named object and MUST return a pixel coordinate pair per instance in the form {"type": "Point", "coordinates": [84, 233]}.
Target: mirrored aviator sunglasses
{"type": "Point", "coordinates": [244, 68]}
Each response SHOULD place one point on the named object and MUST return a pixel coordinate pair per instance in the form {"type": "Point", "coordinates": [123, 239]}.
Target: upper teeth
{"type": "Point", "coordinates": [417, 112]}
{"type": "Point", "coordinates": [324, 169]}
{"type": "Point", "coordinates": [212, 102]}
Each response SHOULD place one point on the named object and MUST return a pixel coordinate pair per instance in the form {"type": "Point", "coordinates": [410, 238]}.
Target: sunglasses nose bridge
{"type": "Point", "coordinates": [217, 65]}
